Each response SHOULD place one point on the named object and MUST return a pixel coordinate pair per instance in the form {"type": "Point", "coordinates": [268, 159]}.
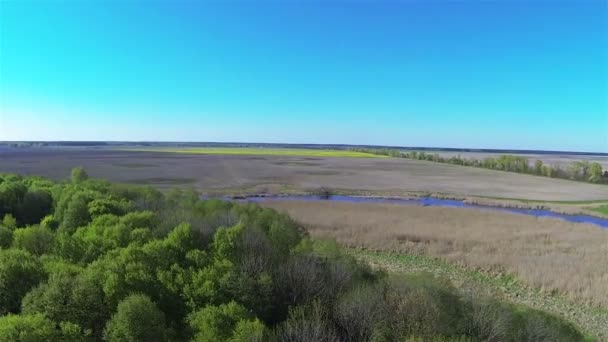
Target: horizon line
{"type": "Point", "coordinates": [431, 148]}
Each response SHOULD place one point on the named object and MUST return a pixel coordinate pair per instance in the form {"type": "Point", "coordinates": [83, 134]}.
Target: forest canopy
{"type": "Point", "coordinates": [89, 260]}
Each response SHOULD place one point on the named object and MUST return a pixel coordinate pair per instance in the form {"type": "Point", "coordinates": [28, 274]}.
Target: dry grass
{"type": "Point", "coordinates": [216, 173]}
{"type": "Point", "coordinates": [547, 253]}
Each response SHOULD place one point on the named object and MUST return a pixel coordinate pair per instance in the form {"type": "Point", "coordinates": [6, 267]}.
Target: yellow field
{"type": "Point", "coordinates": [262, 151]}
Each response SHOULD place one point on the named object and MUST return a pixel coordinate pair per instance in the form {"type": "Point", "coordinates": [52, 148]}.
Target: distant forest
{"type": "Point", "coordinates": [89, 260]}
{"type": "Point", "coordinates": [584, 171]}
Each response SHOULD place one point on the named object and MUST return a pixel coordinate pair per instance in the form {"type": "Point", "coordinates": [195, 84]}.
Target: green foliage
{"type": "Point", "coordinates": [50, 222]}
{"type": "Point", "coordinates": [538, 167]}
{"type": "Point", "coordinates": [119, 263]}
{"type": "Point", "coordinates": [137, 319]}
{"type": "Point", "coordinates": [595, 173]}
{"type": "Point", "coordinates": [34, 206]}
{"type": "Point", "coordinates": [422, 306]}
{"type": "Point", "coordinates": [12, 192]}
{"type": "Point", "coordinates": [579, 170]}
{"type": "Point", "coordinates": [38, 328]}
{"type": "Point", "coordinates": [26, 328]}
{"type": "Point", "coordinates": [69, 296]}
{"type": "Point", "coordinates": [140, 219]}
{"type": "Point", "coordinates": [79, 175]}
{"type": "Point", "coordinates": [103, 206]}
{"type": "Point", "coordinates": [37, 240]}
{"type": "Point", "coordinates": [225, 322]}
{"type": "Point", "coordinates": [9, 221]}
{"type": "Point", "coordinates": [603, 209]}
{"type": "Point", "coordinates": [6, 237]}
{"type": "Point", "coordinates": [19, 272]}
{"type": "Point", "coordinates": [249, 331]}
{"type": "Point", "coordinates": [76, 213]}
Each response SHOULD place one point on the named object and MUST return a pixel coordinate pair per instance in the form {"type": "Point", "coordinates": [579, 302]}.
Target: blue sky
{"type": "Point", "coordinates": [485, 74]}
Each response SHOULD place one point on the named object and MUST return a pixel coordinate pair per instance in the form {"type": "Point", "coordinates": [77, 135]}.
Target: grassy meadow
{"type": "Point", "coordinates": [603, 209]}
{"type": "Point", "coordinates": [253, 151]}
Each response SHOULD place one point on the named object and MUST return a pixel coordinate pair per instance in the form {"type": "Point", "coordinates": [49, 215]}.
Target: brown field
{"type": "Point", "coordinates": [221, 173]}
{"type": "Point", "coordinates": [546, 253]}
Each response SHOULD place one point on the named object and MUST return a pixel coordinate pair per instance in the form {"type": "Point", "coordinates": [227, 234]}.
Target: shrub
{"type": "Point", "coordinates": [69, 297]}
{"type": "Point", "coordinates": [423, 306]}
{"type": "Point", "coordinates": [37, 240]}
{"type": "Point", "coordinates": [136, 319]}
{"type": "Point", "coordinates": [79, 175]}
{"type": "Point", "coordinates": [37, 327]}
{"type": "Point", "coordinates": [361, 313]}
{"type": "Point", "coordinates": [9, 221]}
{"type": "Point", "coordinates": [6, 237]}
{"type": "Point", "coordinates": [19, 272]}
{"type": "Point", "coordinates": [223, 323]}
{"type": "Point", "coordinates": [307, 324]}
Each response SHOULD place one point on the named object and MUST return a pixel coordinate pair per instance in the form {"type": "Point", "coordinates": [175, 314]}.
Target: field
{"type": "Point", "coordinates": [546, 263]}
{"type": "Point", "coordinates": [601, 209]}
{"type": "Point", "coordinates": [219, 174]}
{"type": "Point", "coordinates": [250, 151]}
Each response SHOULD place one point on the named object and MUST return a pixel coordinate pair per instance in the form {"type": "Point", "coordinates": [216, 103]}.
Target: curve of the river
{"type": "Point", "coordinates": [438, 202]}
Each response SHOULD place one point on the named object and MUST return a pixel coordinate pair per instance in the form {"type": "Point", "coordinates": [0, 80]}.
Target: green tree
{"type": "Point", "coordinates": [35, 206]}
{"type": "Point", "coordinates": [77, 213]}
{"type": "Point", "coordinates": [6, 237]}
{"type": "Point", "coordinates": [35, 239]}
{"type": "Point", "coordinates": [19, 272]}
{"type": "Point", "coordinates": [50, 222]}
{"type": "Point", "coordinates": [27, 328]}
{"type": "Point", "coordinates": [538, 167]}
{"type": "Point", "coordinates": [249, 331]}
{"type": "Point", "coordinates": [67, 296]}
{"type": "Point", "coordinates": [38, 328]}
{"type": "Point", "coordinates": [79, 175]}
{"type": "Point", "coordinates": [595, 172]}
{"type": "Point", "coordinates": [548, 171]}
{"type": "Point", "coordinates": [102, 206]}
{"type": "Point", "coordinates": [137, 319]}
{"type": "Point", "coordinates": [12, 192]}
{"type": "Point", "coordinates": [9, 221]}
{"type": "Point", "coordinates": [218, 323]}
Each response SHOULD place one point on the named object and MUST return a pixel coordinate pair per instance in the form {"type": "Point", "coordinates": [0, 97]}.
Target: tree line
{"type": "Point", "coordinates": [579, 170]}
{"type": "Point", "coordinates": [89, 260]}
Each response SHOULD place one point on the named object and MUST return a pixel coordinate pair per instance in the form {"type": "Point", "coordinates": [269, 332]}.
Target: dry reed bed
{"type": "Point", "coordinates": [210, 173]}
{"type": "Point", "coordinates": [547, 253]}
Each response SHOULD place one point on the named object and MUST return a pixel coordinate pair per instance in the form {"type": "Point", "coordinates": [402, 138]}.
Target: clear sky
{"type": "Point", "coordinates": [485, 74]}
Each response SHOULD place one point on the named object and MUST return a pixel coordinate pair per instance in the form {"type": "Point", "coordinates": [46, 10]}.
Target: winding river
{"type": "Point", "coordinates": [438, 202]}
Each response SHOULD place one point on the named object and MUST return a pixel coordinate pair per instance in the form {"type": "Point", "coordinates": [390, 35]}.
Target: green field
{"type": "Point", "coordinates": [296, 152]}
{"type": "Point", "coordinates": [601, 209]}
